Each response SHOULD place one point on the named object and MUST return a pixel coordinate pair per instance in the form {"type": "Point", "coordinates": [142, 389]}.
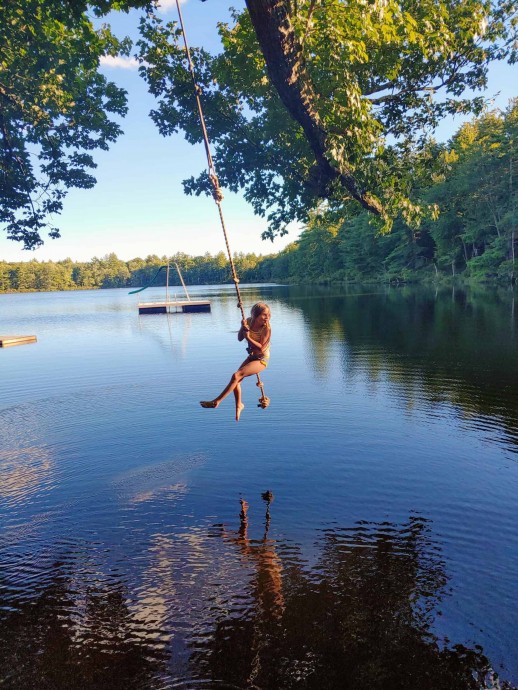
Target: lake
{"type": "Point", "coordinates": [359, 533]}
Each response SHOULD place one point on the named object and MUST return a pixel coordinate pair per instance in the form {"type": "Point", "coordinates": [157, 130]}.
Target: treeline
{"type": "Point", "coordinates": [472, 181]}
{"type": "Point", "coordinates": [111, 272]}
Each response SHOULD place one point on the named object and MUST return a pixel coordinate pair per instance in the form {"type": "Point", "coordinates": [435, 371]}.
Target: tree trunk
{"type": "Point", "coordinates": [513, 274]}
{"type": "Point", "coordinates": [464, 249]}
{"type": "Point", "coordinates": [288, 74]}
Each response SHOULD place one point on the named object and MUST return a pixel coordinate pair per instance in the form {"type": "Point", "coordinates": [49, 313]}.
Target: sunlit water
{"type": "Point", "coordinates": [388, 557]}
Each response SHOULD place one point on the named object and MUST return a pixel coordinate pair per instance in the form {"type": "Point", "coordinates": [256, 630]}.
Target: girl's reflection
{"type": "Point", "coordinates": [267, 582]}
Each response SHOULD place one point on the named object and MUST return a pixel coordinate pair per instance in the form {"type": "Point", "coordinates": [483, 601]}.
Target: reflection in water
{"type": "Point", "coordinates": [360, 618]}
{"type": "Point", "coordinates": [73, 637]}
{"type": "Point", "coordinates": [24, 472]}
{"type": "Point", "coordinates": [238, 651]}
{"type": "Point", "coordinates": [441, 346]}
{"type": "Point", "coordinates": [175, 338]}
{"type": "Point", "coordinates": [267, 582]}
{"type": "Point", "coordinates": [246, 614]}
{"type": "Point", "coordinates": [121, 568]}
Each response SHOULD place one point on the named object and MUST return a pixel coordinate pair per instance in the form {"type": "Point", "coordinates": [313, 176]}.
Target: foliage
{"type": "Point", "coordinates": [373, 70]}
{"type": "Point", "coordinates": [477, 225]}
{"type": "Point", "coordinates": [111, 272]}
{"type": "Point", "coordinates": [55, 107]}
{"type": "Point", "coordinates": [473, 183]}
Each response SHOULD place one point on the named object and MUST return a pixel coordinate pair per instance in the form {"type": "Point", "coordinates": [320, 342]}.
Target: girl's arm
{"type": "Point", "coordinates": [241, 334]}
{"type": "Point", "coordinates": [261, 345]}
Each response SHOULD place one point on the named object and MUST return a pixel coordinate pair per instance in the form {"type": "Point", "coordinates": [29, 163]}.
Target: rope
{"type": "Point", "coordinates": [217, 194]}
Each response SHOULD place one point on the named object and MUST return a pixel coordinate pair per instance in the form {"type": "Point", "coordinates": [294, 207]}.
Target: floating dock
{"type": "Point", "coordinates": [169, 306]}
{"type": "Point", "coordinates": [10, 340]}
{"type": "Point", "coordinates": [186, 306]}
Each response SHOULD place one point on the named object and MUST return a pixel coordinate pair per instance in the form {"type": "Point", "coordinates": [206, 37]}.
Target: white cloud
{"type": "Point", "coordinates": [119, 62]}
{"type": "Point", "coordinates": [166, 5]}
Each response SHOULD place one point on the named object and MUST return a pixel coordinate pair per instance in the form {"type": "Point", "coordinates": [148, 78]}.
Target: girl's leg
{"type": "Point", "coordinates": [246, 369]}
{"type": "Point", "coordinates": [239, 405]}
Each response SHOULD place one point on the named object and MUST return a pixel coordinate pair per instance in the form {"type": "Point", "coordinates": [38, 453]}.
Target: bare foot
{"type": "Point", "coordinates": [239, 409]}
{"type": "Point", "coordinates": [209, 403]}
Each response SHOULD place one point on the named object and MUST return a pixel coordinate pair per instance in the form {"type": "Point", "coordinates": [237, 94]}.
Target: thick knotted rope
{"type": "Point", "coordinates": [217, 194]}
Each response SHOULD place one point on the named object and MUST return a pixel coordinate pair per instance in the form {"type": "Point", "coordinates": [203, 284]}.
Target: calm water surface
{"type": "Point", "coordinates": [388, 557]}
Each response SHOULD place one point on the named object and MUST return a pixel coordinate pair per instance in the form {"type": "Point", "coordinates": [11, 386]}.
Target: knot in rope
{"type": "Point", "coordinates": [216, 192]}
{"type": "Point", "coordinates": [218, 195]}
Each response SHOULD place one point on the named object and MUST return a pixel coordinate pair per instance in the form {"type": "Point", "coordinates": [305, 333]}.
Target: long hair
{"type": "Point", "coordinates": [258, 309]}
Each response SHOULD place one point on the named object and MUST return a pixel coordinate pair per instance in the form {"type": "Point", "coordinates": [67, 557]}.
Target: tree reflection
{"type": "Point", "coordinates": [67, 639]}
{"type": "Point", "coordinates": [360, 618]}
{"type": "Point", "coordinates": [435, 345]}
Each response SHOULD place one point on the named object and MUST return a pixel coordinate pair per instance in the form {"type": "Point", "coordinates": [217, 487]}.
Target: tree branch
{"type": "Point", "coordinates": [288, 73]}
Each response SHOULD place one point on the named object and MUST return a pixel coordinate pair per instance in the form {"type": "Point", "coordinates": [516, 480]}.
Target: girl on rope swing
{"type": "Point", "coordinates": [257, 332]}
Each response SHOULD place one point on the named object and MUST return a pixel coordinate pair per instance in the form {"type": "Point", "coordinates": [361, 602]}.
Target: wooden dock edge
{"type": "Point", "coordinates": [173, 307]}
{"type": "Point", "coordinates": [10, 340]}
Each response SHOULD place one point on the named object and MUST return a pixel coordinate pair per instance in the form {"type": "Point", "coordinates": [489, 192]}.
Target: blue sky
{"type": "Point", "coordinates": [138, 206]}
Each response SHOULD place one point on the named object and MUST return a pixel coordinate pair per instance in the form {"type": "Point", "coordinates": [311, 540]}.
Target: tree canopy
{"type": "Point", "coordinates": [475, 236]}
{"type": "Point", "coordinates": [55, 107]}
{"type": "Point", "coordinates": [322, 99]}
{"type": "Point", "coordinates": [307, 101]}
{"type": "Point", "coordinates": [473, 183]}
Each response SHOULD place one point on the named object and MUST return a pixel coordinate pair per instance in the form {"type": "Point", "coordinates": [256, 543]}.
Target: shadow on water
{"type": "Point", "coordinates": [449, 345]}
{"type": "Point", "coordinates": [358, 615]}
